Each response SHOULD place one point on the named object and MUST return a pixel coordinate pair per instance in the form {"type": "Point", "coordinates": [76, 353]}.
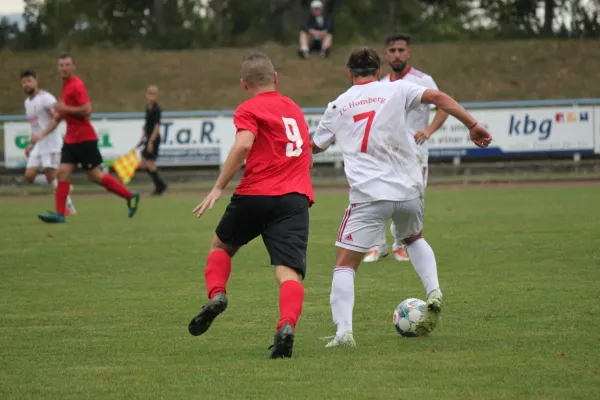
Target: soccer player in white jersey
{"type": "Point", "coordinates": [44, 155]}
{"type": "Point", "coordinates": [369, 125]}
{"type": "Point", "coordinates": [397, 53]}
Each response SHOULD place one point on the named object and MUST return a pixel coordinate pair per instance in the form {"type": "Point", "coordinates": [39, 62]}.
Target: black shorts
{"type": "Point", "coordinates": [282, 221]}
{"type": "Point", "coordinates": [85, 154]}
{"type": "Point", "coordinates": [151, 156]}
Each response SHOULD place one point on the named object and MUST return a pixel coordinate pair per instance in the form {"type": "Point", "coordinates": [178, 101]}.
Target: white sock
{"type": "Point", "coordinates": [342, 299]}
{"type": "Point", "coordinates": [422, 257]}
{"type": "Point", "coordinates": [69, 204]}
{"type": "Point", "coordinates": [40, 180]}
{"type": "Point", "coordinates": [304, 49]}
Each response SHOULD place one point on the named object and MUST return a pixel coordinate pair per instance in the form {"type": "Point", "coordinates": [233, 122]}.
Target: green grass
{"type": "Point", "coordinates": [98, 308]}
{"type": "Point", "coordinates": [209, 79]}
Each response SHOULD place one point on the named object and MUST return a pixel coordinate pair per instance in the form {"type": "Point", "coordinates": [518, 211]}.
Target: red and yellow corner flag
{"type": "Point", "coordinates": [126, 166]}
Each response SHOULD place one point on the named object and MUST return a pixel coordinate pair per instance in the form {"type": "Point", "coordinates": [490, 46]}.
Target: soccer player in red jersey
{"type": "Point", "coordinates": [80, 144]}
{"type": "Point", "coordinates": [272, 199]}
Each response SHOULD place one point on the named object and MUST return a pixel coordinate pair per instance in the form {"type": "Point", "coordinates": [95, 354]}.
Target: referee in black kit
{"type": "Point", "coordinates": [151, 140]}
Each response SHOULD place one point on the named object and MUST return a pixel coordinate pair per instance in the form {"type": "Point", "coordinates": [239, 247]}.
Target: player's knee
{"type": "Point", "coordinates": [348, 258]}
{"type": "Point", "coordinates": [284, 273]}
{"type": "Point", "coordinates": [30, 175]}
{"type": "Point", "coordinates": [63, 174]}
{"type": "Point", "coordinates": [411, 239]}
{"type": "Point", "coordinates": [51, 174]}
{"type": "Point", "coordinates": [95, 175]}
{"type": "Point", "coordinates": [218, 245]}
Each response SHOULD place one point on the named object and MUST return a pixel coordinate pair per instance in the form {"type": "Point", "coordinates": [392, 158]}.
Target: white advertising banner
{"type": "Point", "coordinates": [597, 129]}
{"type": "Point", "coordinates": [185, 141]}
{"type": "Point", "coordinates": [206, 141]}
{"type": "Point", "coordinates": [518, 131]}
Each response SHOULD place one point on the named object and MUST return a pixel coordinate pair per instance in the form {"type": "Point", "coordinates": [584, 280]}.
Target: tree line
{"type": "Point", "coordinates": [183, 24]}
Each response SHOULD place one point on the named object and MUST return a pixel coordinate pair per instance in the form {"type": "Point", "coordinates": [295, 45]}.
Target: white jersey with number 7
{"type": "Point", "coordinates": [368, 124]}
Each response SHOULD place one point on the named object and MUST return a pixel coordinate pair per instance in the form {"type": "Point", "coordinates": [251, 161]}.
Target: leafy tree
{"type": "Point", "coordinates": [179, 24]}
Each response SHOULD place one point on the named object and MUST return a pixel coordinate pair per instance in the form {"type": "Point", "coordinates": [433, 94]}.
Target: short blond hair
{"type": "Point", "coordinates": [152, 88]}
{"type": "Point", "coordinates": [257, 70]}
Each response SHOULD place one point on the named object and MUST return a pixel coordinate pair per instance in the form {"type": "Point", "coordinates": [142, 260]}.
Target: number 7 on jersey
{"type": "Point", "coordinates": [369, 116]}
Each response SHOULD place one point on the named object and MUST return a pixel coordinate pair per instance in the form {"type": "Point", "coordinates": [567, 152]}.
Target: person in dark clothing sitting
{"type": "Point", "coordinates": [316, 33]}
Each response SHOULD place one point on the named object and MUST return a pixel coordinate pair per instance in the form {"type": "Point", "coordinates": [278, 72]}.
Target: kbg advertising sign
{"type": "Point", "coordinates": [519, 131]}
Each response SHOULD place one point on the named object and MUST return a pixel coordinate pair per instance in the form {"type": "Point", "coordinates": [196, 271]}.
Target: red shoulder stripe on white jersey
{"type": "Point", "coordinates": [416, 73]}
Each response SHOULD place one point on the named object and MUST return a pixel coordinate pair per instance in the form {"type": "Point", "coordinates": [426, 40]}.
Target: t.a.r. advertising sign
{"type": "Point", "coordinates": [185, 141]}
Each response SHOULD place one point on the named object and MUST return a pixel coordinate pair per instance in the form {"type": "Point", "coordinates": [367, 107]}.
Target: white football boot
{"type": "Point", "coordinates": [71, 210]}
{"type": "Point", "coordinates": [400, 254]}
{"type": "Point", "coordinates": [346, 340]}
{"type": "Point", "coordinates": [377, 254]}
{"type": "Point", "coordinates": [431, 315]}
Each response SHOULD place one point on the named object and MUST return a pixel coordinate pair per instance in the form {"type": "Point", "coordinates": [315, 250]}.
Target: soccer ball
{"type": "Point", "coordinates": [406, 315]}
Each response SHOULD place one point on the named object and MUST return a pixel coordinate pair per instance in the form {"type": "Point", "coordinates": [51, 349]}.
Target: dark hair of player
{"type": "Point", "coordinates": [257, 69]}
{"type": "Point", "coordinates": [64, 56]}
{"type": "Point", "coordinates": [394, 37]}
{"type": "Point", "coordinates": [28, 73]}
{"type": "Point", "coordinates": [364, 61]}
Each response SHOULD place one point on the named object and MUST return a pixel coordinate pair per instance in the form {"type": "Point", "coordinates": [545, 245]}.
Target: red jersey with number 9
{"type": "Point", "coordinates": [279, 161]}
{"type": "Point", "coordinates": [79, 129]}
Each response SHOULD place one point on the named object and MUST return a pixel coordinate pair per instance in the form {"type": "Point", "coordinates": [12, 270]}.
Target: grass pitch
{"type": "Point", "coordinates": [98, 308]}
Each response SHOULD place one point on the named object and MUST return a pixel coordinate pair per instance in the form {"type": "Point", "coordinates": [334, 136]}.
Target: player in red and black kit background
{"type": "Point", "coordinates": [80, 144]}
{"type": "Point", "coordinates": [271, 201]}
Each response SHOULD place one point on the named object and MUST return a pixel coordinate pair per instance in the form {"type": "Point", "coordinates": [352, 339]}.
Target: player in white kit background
{"type": "Point", "coordinates": [397, 53]}
{"type": "Point", "coordinates": [369, 125]}
{"type": "Point", "coordinates": [45, 155]}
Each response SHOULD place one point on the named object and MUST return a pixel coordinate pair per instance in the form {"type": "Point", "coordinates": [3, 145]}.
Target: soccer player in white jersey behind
{"type": "Point", "coordinates": [44, 155]}
{"type": "Point", "coordinates": [368, 123]}
{"type": "Point", "coordinates": [397, 53]}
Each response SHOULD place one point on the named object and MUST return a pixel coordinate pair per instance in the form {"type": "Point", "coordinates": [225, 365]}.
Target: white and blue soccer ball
{"type": "Point", "coordinates": [406, 316]}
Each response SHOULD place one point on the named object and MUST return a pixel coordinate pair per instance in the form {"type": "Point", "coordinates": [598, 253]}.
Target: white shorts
{"type": "Point", "coordinates": [43, 160]}
{"type": "Point", "coordinates": [364, 224]}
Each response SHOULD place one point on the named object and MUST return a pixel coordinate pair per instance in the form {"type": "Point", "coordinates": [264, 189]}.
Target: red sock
{"type": "Point", "coordinates": [216, 274]}
{"type": "Point", "coordinates": [113, 185]}
{"type": "Point", "coordinates": [291, 296]}
{"type": "Point", "coordinates": [62, 191]}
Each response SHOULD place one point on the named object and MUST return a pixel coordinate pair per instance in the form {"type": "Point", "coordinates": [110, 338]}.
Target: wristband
{"type": "Point", "coordinates": [474, 125]}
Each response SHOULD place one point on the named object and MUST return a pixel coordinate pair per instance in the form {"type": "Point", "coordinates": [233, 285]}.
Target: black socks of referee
{"type": "Point", "coordinates": [159, 184]}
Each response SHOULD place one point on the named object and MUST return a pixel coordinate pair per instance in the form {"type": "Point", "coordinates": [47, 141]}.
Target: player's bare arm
{"type": "Point", "coordinates": [438, 120]}
{"type": "Point", "coordinates": [235, 159]}
{"type": "Point", "coordinates": [316, 149]}
{"type": "Point", "coordinates": [51, 127]}
{"type": "Point", "coordinates": [323, 137]}
{"type": "Point", "coordinates": [28, 149]}
{"type": "Point", "coordinates": [479, 135]}
{"type": "Point", "coordinates": [84, 110]}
